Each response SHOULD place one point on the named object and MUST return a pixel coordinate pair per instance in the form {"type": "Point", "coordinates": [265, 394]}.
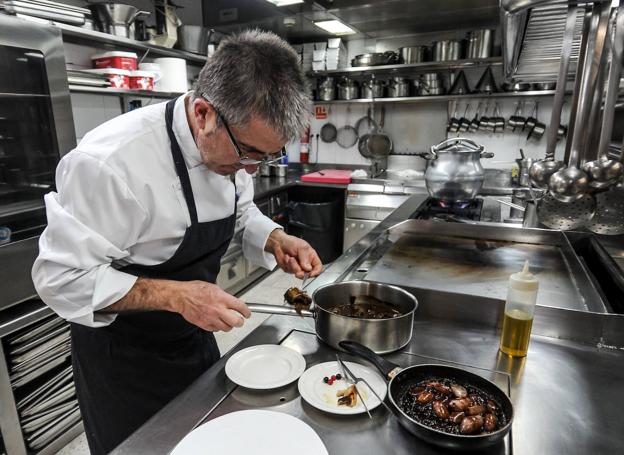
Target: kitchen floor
{"type": "Point", "coordinates": [270, 290]}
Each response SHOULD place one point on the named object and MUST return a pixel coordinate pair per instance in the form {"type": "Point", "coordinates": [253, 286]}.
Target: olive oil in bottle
{"type": "Point", "coordinates": [519, 310]}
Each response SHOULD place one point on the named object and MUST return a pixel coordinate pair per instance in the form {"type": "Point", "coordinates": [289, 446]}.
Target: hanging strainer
{"type": "Point", "coordinates": [365, 124]}
{"type": "Point", "coordinates": [347, 136]}
{"type": "Point", "coordinates": [328, 132]}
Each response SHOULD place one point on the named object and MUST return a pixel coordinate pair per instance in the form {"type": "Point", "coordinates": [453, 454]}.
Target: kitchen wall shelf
{"type": "Point", "coordinates": [79, 35]}
{"type": "Point", "coordinates": [122, 92]}
{"type": "Point", "coordinates": [425, 99]}
{"type": "Point", "coordinates": [410, 68]}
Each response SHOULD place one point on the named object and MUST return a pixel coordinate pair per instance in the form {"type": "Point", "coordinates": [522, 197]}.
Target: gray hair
{"type": "Point", "coordinates": [257, 73]}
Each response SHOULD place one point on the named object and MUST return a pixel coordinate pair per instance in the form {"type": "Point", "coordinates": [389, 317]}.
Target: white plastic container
{"type": "Point", "coordinates": [153, 68]}
{"type": "Point", "coordinates": [519, 311]}
{"type": "Point", "coordinates": [174, 78]}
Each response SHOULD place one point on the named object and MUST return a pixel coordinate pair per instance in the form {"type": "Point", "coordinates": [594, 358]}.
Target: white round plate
{"type": "Point", "coordinates": [265, 366]}
{"type": "Point", "coordinates": [263, 433]}
{"type": "Point", "coordinates": [323, 396]}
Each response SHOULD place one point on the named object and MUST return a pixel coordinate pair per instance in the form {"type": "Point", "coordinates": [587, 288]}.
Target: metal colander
{"type": "Point", "coordinates": [609, 217]}
{"type": "Point", "coordinates": [566, 215]}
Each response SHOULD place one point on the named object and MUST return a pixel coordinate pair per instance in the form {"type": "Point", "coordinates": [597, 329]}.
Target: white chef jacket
{"type": "Point", "coordinates": [119, 201]}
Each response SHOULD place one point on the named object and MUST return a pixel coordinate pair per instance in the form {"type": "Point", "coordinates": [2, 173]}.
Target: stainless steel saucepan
{"type": "Point", "coordinates": [380, 335]}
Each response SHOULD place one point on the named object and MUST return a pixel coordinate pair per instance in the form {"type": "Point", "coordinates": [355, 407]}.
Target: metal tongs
{"type": "Point", "coordinates": [306, 275]}
{"type": "Point", "coordinates": [352, 378]}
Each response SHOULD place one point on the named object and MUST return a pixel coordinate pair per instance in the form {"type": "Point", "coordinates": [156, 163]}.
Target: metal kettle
{"type": "Point", "coordinates": [454, 171]}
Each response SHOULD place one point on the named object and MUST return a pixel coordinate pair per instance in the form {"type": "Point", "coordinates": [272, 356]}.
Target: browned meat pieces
{"type": "Point", "coordinates": [459, 404]}
{"type": "Point", "coordinates": [490, 422]}
{"type": "Point", "coordinates": [347, 397]}
{"type": "Point", "coordinates": [425, 397]}
{"type": "Point", "coordinates": [300, 299]}
{"type": "Point", "coordinates": [440, 410]}
{"type": "Point", "coordinates": [471, 424]}
{"type": "Point", "coordinates": [446, 405]}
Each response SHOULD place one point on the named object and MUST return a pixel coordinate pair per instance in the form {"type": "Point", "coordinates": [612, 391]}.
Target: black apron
{"type": "Point", "coordinates": [129, 370]}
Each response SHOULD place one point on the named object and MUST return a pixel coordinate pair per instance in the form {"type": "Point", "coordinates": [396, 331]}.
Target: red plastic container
{"type": "Point", "coordinates": [141, 80]}
{"type": "Point", "coordinates": [115, 59]}
{"type": "Point", "coordinates": [118, 78]}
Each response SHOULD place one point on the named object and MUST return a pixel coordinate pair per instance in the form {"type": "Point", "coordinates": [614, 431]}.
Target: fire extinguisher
{"type": "Point", "coordinates": [304, 146]}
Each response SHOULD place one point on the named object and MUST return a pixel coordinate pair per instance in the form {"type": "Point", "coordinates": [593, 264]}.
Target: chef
{"type": "Point", "coordinates": [146, 206]}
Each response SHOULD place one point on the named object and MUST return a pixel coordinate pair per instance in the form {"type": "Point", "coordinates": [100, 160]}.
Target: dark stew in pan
{"type": "Point", "coordinates": [367, 307]}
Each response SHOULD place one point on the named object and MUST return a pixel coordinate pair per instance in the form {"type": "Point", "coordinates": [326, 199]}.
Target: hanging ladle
{"type": "Point", "coordinates": [541, 171]}
{"type": "Point", "coordinates": [604, 172]}
{"type": "Point", "coordinates": [571, 183]}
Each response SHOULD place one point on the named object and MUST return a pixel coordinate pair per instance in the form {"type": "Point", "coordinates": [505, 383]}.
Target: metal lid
{"type": "Point", "coordinates": [459, 144]}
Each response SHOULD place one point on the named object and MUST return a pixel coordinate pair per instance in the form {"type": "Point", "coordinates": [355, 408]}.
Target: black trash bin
{"type": "Point", "coordinates": [320, 224]}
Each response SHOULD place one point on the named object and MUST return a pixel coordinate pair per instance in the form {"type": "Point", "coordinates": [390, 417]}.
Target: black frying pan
{"type": "Point", "coordinates": [402, 380]}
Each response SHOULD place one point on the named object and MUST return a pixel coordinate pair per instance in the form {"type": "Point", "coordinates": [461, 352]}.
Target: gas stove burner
{"type": "Point", "coordinates": [433, 208]}
{"type": "Point", "coordinates": [451, 205]}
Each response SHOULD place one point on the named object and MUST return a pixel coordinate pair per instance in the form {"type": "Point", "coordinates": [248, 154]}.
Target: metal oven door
{"type": "Point", "coordinates": [36, 129]}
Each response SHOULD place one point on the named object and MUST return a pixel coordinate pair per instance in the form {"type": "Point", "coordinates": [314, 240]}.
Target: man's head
{"type": "Point", "coordinates": [251, 99]}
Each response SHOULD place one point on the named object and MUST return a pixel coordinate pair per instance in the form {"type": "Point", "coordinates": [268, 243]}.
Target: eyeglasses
{"type": "Point", "coordinates": [245, 160]}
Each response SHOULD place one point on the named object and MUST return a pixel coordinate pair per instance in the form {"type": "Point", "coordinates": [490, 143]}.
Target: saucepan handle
{"type": "Point", "coordinates": [487, 154]}
{"type": "Point", "coordinates": [277, 309]}
{"type": "Point", "coordinates": [386, 368]}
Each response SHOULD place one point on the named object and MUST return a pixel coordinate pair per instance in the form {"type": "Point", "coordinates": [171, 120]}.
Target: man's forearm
{"type": "Point", "coordinates": [148, 294]}
{"type": "Point", "coordinates": [201, 303]}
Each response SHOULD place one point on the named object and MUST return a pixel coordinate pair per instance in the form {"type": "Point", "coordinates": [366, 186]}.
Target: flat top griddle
{"type": "Point", "coordinates": [467, 261]}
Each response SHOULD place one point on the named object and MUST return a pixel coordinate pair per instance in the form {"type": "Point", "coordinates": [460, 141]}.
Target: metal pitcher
{"type": "Point", "coordinates": [454, 171]}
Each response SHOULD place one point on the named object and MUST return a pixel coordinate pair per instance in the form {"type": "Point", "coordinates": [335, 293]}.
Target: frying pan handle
{"type": "Point", "coordinates": [388, 369]}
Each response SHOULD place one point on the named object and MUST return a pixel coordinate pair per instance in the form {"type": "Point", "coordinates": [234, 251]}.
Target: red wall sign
{"type": "Point", "coordinates": [320, 112]}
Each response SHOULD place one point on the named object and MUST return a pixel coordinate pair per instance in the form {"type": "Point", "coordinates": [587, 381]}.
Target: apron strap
{"type": "Point", "coordinates": [180, 165]}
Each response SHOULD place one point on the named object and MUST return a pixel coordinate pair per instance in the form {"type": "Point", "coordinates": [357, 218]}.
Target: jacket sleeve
{"type": "Point", "coordinates": [92, 220]}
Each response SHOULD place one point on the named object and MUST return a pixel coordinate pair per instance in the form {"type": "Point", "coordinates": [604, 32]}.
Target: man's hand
{"type": "Point", "coordinates": [293, 255]}
{"type": "Point", "coordinates": [201, 303]}
{"type": "Point", "coordinates": [209, 307]}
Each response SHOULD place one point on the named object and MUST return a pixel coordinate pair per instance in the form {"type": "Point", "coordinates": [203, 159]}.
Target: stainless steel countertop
{"type": "Point", "coordinates": [566, 392]}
